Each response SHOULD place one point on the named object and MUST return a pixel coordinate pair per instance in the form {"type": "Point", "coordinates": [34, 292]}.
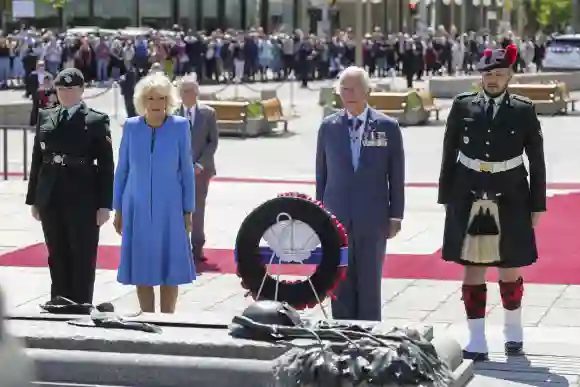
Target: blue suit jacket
{"type": "Point", "coordinates": [367, 198]}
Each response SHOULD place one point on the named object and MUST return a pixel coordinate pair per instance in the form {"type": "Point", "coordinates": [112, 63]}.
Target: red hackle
{"type": "Point", "coordinates": [511, 53]}
{"type": "Point", "coordinates": [487, 52]}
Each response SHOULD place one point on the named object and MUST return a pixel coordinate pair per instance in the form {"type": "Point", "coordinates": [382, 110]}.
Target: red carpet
{"type": "Point", "coordinates": [558, 240]}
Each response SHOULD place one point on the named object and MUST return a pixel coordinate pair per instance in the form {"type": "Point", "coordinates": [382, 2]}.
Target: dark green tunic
{"type": "Point", "coordinates": [514, 130]}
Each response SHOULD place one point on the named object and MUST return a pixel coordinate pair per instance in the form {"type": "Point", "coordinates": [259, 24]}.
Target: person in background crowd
{"type": "Point", "coordinates": [103, 57]}
{"type": "Point", "coordinates": [154, 196]}
{"type": "Point", "coordinates": [5, 70]}
{"type": "Point", "coordinates": [204, 142]}
{"type": "Point", "coordinates": [84, 57]}
{"type": "Point", "coordinates": [127, 86]}
{"type": "Point", "coordinates": [36, 79]}
{"type": "Point", "coordinates": [70, 187]}
{"type": "Point", "coordinates": [484, 187]}
{"type": "Point", "coordinates": [363, 185]}
{"type": "Point", "coordinates": [264, 56]}
{"type": "Point", "coordinates": [52, 54]}
{"type": "Point", "coordinates": [45, 98]}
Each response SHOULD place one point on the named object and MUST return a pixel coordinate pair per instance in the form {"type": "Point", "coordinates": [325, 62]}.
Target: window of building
{"type": "Point", "coordinates": [110, 15]}
{"type": "Point", "coordinates": [156, 13]}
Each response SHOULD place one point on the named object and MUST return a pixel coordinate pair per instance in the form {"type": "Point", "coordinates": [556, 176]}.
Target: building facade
{"type": "Point", "coordinates": [389, 15]}
{"type": "Point", "coordinates": [194, 14]}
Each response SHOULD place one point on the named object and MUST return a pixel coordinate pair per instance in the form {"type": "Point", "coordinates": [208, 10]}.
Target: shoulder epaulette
{"type": "Point", "coordinates": [98, 112]}
{"type": "Point", "coordinates": [522, 99]}
{"type": "Point", "coordinates": [50, 109]}
{"type": "Point", "coordinates": [466, 94]}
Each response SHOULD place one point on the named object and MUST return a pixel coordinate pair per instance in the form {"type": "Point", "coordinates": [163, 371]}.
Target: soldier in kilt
{"type": "Point", "coordinates": [491, 208]}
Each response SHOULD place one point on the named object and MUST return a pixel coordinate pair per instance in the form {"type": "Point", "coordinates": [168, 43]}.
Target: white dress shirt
{"type": "Point", "coordinates": [356, 135]}
{"type": "Point", "coordinates": [191, 114]}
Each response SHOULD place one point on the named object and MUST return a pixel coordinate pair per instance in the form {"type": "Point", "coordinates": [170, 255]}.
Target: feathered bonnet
{"type": "Point", "coordinates": [498, 59]}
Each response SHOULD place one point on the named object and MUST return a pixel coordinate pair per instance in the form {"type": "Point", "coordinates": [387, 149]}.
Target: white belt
{"type": "Point", "coordinates": [490, 166]}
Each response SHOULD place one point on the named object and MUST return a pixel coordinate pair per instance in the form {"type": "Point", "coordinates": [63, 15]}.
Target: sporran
{"type": "Point", "coordinates": [482, 249]}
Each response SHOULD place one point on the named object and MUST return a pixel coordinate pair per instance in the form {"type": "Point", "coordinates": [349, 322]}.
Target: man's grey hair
{"type": "Point", "coordinates": [354, 72]}
{"type": "Point", "coordinates": [190, 79]}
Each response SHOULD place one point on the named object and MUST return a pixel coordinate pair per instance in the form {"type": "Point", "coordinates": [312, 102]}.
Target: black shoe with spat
{"type": "Point", "coordinates": [514, 348]}
{"type": "Point", "coordinates": [475, 356]}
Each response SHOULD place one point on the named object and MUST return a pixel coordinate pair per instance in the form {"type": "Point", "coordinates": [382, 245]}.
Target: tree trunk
{"type": "Point", "coordinates": [530, 8]}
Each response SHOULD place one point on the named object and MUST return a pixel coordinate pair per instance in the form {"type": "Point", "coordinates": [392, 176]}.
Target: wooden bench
{"type": "Point", "coordinates": [231, 116]}
{"type": "Point", "coordinates": [392, 104]}
{"type": "Point", "coordinates": [272, 112]}
{"type": "Point", "coordinates": [567, 97]}
{"type": "Point", "coordinates": [548, 98]}
{"type": "Point", "coordinates": [429, 102]}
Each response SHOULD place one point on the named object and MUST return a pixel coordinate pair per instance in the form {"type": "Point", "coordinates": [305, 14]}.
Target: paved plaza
{"type": "Point", "coordinates": [551, 313]}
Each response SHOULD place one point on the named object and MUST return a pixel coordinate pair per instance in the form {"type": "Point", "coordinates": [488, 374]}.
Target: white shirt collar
{"type": "Point", "coordinates": [191, 109]}
{"type": "Point", "coordinates": [362, 116]}
{"type": "Point", "coordinates": [71, 110]}
{"type": "Point", "coordinates": [497, 100]}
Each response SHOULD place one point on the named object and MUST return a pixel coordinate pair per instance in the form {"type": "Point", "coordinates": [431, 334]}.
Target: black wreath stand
{"type": "Point", "coordinates": [343, 354]}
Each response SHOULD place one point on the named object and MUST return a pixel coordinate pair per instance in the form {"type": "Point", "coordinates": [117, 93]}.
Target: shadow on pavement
{"type": "Point", "coordinates": [521, 370]}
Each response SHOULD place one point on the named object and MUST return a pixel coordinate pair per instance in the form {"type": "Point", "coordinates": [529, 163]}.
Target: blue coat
{"type": "Point", "coordinates": [364, 201]}
{"type": "Point", "coordinates": [154, 186]}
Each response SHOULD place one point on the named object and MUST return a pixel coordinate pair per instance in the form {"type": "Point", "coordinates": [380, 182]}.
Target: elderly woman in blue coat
{"type": "Point", "coordinates": [154, 196]}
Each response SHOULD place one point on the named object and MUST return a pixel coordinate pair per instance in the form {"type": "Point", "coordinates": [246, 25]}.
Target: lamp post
{"type": "Point", "coordinates": [359, 32]}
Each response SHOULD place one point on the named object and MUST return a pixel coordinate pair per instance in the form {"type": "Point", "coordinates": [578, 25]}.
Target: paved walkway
{"type": "Point", "coordinates": [551, 314]}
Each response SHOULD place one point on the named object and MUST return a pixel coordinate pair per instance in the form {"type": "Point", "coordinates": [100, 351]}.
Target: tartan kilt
{"type": "Point", "coordinates": [517, 241]}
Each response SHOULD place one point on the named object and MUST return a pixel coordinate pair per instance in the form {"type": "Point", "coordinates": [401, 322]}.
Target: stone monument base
{"type": "Point", "coordinates": [190, 351]}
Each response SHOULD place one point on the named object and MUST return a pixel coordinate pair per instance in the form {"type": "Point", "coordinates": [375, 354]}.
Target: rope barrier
{"type": "Point", "coordinates": [100, 93]}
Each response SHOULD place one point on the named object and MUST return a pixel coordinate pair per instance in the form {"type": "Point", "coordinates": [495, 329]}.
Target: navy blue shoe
{"type": "Point", "coordinates": [514, 348]}
{"type": "Point", "coordinates": [475, 356]}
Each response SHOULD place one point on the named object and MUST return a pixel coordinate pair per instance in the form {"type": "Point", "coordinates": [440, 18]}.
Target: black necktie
{"type": "Point", "coordinates": [489, 110]}
{"type": "Point", "coordinates": [64, 115]}
{"type": "Point", "coordinates": [354, 123]}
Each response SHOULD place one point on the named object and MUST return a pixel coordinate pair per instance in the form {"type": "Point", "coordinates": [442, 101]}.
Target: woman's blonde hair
{"type": "Point", "coordinates": [155, 83]}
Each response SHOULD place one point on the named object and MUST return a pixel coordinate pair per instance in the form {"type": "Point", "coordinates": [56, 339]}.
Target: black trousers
{"type": "Point", "coordinates": [72, 237]}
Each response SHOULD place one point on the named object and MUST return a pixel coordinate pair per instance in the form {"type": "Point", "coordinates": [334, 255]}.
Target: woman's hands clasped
{"type": "Point", "coordinates": [118, 223]}
{"type": "Point", "coordinates": [188, 221]}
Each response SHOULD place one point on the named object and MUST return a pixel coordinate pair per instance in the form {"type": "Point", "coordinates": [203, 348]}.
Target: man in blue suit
{"type": "Point", "coordinates": [360, 178]}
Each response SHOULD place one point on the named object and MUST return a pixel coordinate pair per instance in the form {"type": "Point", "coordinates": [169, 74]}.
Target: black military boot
{"type": "Point", "coordinates": [514, 348]}
{"type": "Point", "coordinates": [475, 356]}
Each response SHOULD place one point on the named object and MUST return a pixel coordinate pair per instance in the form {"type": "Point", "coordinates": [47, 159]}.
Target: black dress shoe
{"type": "Point", "coordinates": [55, 301]}
{"type": "Point", "coordinates": [475, 356]}
{"type": "Point", "coordinates": [514, 348]}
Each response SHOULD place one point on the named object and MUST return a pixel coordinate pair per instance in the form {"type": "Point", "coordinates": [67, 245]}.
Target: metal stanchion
{"type": "Point", "coordinates": [237, 88]}
{"type": "Point", "coordinates": [116, 100]}
{"type": "Point", "coordinates": [293, 112]}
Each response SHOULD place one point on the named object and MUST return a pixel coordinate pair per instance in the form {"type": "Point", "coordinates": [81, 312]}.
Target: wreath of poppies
{"type": "Point", "coordinates": [249, 255]}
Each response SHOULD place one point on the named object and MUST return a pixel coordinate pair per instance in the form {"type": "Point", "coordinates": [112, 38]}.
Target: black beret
{"type": "Point", "coordinates": [498, 59]}
{"type": "Point", "coordinates": [70, 77]}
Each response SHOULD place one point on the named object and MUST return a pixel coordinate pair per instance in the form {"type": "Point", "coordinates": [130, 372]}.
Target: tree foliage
{"type": "Point", "coordinates": [57, 3]}
{"type": "Point", "coordinates": [547, 14]}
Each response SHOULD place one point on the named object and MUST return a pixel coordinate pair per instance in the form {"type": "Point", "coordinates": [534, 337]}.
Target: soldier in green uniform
{"type": "Point", "coordinates": [70, 187]}
{"type": "Point", "coordinates": [491, 208]}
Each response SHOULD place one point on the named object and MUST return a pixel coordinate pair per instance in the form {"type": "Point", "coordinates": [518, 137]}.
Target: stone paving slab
{"type": "Point", "coordinates": [546, 305]}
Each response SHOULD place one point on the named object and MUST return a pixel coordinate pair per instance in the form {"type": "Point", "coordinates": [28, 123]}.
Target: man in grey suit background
{"type": "Point", "coordinates": [360, 178]}
{"type": "Point", "coordinates": [204, 142]}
